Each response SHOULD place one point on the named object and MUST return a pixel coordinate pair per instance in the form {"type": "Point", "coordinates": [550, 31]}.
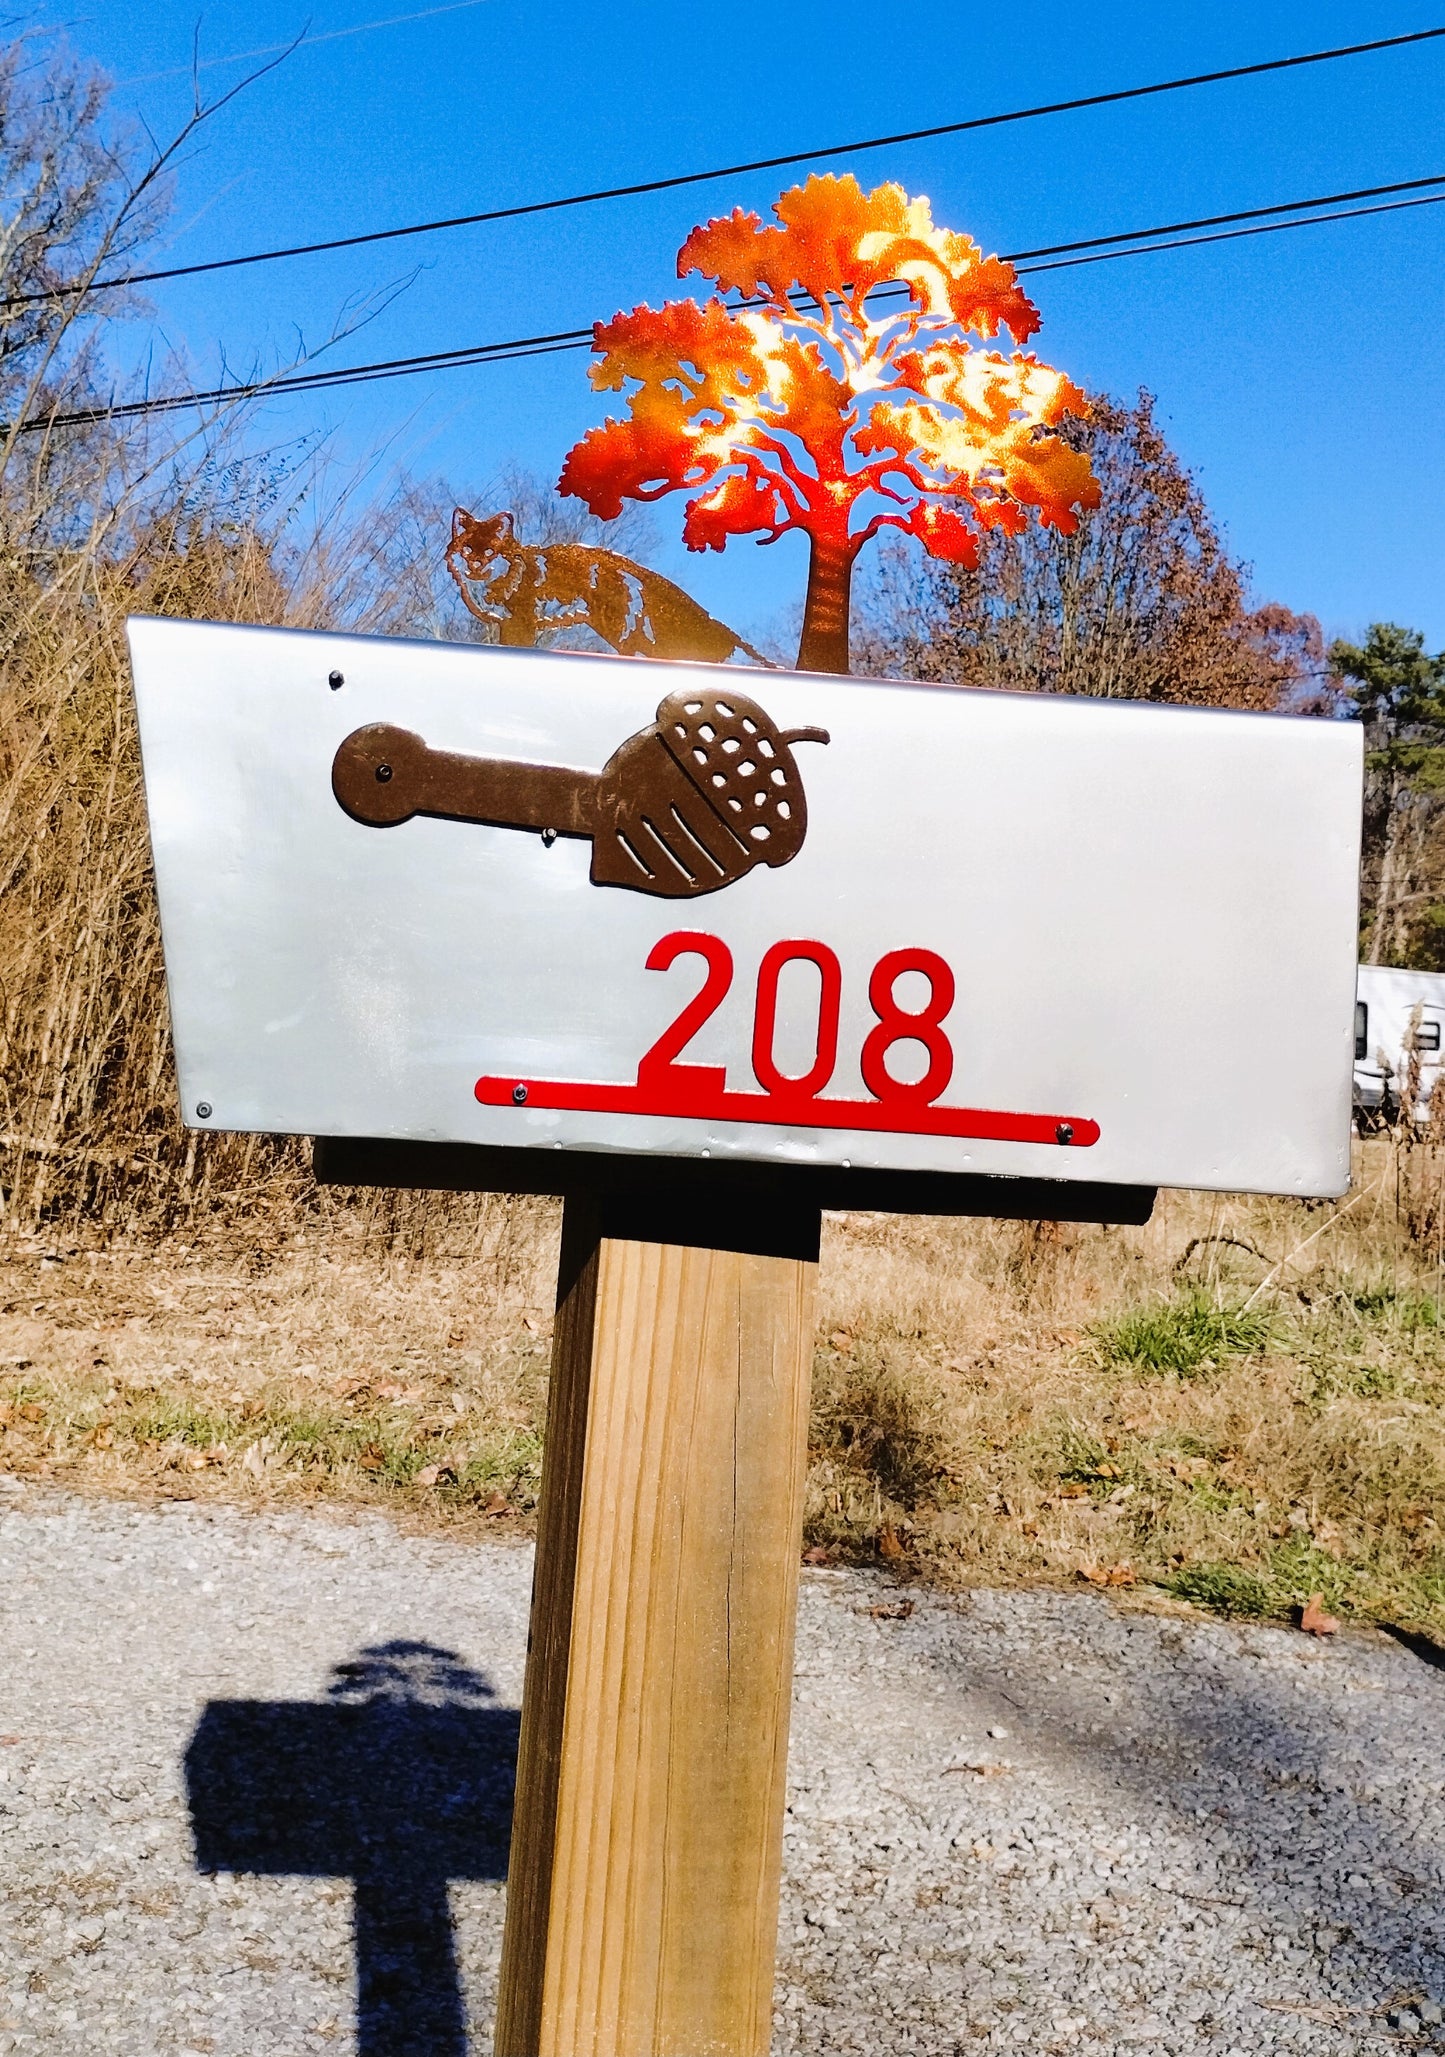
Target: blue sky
{"type": "Point", "coordinates": [1300, 375]}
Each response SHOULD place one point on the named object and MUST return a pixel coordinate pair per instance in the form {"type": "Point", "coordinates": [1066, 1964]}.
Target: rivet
{"type": "Point", "coordinates": [203, 1110]}
{"type": "Point", "coordinates": [549, 837]}
{"type": "Point", "coordinates": [383, 773]}
{"type": "Point", "coordinates": [1064, 1133]}
{"type": "Point", "coordinates": [519, 1094]}
{"type": "Point", "coordinates": [336, 679]}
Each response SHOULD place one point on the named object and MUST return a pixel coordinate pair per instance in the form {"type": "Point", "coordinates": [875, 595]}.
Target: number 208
{"type": "Point", "coordinates": [892, 1022]}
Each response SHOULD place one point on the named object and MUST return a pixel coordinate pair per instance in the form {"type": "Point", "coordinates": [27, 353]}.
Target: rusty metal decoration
{"type": "Point", "coordinates": [525, 590]}
{"type": "Point", "coordinates": [689, 804]}
{"type": "Point", "coordinates": [792, 399]}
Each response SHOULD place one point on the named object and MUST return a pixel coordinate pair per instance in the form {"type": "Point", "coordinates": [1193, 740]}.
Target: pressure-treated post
{"type": "Point", "coordinates": [643, 1887]}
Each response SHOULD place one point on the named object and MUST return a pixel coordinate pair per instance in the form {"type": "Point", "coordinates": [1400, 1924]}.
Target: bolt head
{"type": "Point", "coordinates": [519, 1094]}
{"type": "Point", "coordinates": [203, 1110]}
{"type": "Point", "coordinates": [336, 679]}
{"type": "Point", "coordinates": [1064, 1133]}
{"type": "Point", "coordinates": [383, 774]}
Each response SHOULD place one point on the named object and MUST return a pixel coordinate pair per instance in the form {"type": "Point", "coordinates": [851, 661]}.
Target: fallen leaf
{"type": "Point", "coordinates": [1313, 1619]}
{"type": "Point", "coordinates": [818, 1554]}
{"type": "Point", "coordinates": [455, 1338]}
{"type": "Point", "coordinates": [1073, 1489]}
{"type": "Point", "coordinates": [496, 1503]}
{"type": "Point", "coordinates": [842, 1342]}
{"type": "Point", "coordinates": [388, 1389]}
{"type": "Point", "coordinates": [428, 1475]}
{"type": "Point", "coordinates": [31, 1411]}
{"type": "Point", "coordinates": [8, 1741]}
{"type": "Point", "coordinates": [888, 1543]}
{"type": "Point", "coordinates": [372, 1458]}
{"type": "Point", "coordinates": [103, 1436]}
{"type": "Point", "coordinates": [892, 1610]}
{"type": "Point", "coordinates": [1106, 1574]}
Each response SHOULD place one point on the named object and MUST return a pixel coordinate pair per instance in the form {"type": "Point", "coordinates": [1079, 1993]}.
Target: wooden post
{"type": "Point", "coordinates": [643, 1889]}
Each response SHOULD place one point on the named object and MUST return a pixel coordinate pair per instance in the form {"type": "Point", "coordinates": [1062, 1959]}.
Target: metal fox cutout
{"type": "Point", "coordinates": [525, 589]}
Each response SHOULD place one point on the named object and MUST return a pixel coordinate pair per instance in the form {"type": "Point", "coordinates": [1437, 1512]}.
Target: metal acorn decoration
{"type": "Point", "coordinates": [692, 802]}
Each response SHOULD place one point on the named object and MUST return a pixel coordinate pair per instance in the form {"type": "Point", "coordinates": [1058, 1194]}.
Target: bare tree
{"type": "Point", "coordinates": [1143, 602]}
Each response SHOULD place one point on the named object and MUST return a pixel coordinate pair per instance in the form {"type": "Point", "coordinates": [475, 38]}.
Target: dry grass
{"type": "Point", "coordinates": [87, 1127]}
{"type": "Point", "coordinates": [1239, 1405]}
{"type": "Point", "coordinates": [339, 1367]}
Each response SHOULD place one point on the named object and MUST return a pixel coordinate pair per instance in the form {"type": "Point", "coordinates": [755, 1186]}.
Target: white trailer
{"type": "Point", "coordinates": [1396, 1012]}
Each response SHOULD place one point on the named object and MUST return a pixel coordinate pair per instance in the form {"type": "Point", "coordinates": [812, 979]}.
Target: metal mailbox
{"type": "Point", "coordinates": [548, 901]}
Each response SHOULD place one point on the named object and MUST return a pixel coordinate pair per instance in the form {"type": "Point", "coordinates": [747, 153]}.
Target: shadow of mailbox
{"type": "Point", "coordinates": [400, 1780]}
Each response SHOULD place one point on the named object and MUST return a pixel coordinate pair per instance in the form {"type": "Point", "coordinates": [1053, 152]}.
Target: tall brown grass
{"type": "Point", "coordinates": [88, 1130]}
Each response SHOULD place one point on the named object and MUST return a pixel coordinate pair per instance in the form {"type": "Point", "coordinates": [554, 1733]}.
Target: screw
{"type": "Point", "coordinates": [1064, 1133]}
{"type": "Point", "coordinates": [549, 837]}
{"type": "Point", "coordinates": [383, 773]}
{"type": "Point", "coordinates": [335, 679]}
{"type": "Point", "coordinates": [519, 1094]}
{"type": "Point", "coordinates": [203, 1110]}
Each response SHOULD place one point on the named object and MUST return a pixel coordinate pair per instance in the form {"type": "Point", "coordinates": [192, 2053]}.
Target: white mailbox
{"type": "Point", "coordinates": [558, 902]}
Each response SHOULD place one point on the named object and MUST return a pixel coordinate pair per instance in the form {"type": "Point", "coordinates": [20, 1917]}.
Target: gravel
{"type": "Point", "coordinates": [250, 1761]}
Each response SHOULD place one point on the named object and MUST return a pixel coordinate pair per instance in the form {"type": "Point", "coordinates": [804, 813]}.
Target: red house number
{"type": "Point", "coordinates": [699, 1092]}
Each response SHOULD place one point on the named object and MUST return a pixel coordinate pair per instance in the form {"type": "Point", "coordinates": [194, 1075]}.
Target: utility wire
{"type": "Point", "coordinates": [726, 171]}
{"type": "Point", "coordinates": [580, 339]}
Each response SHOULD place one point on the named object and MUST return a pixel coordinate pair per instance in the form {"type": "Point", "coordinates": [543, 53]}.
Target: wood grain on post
{"type": "Point", "coordinates": [647, 1845]}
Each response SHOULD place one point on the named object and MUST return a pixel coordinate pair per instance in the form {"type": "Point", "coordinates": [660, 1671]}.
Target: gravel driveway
{"type": "Point", "coordinates": [254, 1778]}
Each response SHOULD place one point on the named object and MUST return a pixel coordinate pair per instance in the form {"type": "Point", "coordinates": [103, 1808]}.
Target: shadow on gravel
{"type": "Point", "coordinates": [401, 1779]}
{"type": "Point", "coordinates": [1324, 1800]}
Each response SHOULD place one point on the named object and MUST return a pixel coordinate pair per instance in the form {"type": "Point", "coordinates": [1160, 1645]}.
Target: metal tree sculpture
{"type": "Point", "coordinates": [807, 410]}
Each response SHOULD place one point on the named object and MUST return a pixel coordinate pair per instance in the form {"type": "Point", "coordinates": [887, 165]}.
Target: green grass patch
{"type": "Point", "coordinates": [165, 1420]}
{"type": "Point", "coordinates": [1405, 1307]}
{"type": "Point", "coordinates": [1186, 1337]}
{"type": "Point", "coordinates": [1336, 1378]}
{"type": "Point", "coordinates": [1081, 1459]}
{"type": "Point", "coordinates": [1223, 1589]}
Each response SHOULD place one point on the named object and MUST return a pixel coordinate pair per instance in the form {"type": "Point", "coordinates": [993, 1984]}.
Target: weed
{"type": "Point", "coordinates": [1223, 1588]}
{"type": "Point", "coordinates": [164, 1419]}
{"type": "Point", "coordinates": [1405, 1307]}
{"type": "Point", "coordinates": [1187, 1335]}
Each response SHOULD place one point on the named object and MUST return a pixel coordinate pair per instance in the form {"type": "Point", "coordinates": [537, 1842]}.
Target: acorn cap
{"type": "Point", "coordinates": [698, 798]}
{"type": "Point", "coordinates": [742, 765]}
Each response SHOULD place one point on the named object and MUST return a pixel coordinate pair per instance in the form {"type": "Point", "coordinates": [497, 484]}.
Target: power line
{"type": "Point", "coordinates": [580, 339]}
{"type": "Point", "coordinates": [1214, 221]}
{"type": "Point", "coordinates": [1269, 228]}
{"type": "Point", "coordinates": [694, 178]}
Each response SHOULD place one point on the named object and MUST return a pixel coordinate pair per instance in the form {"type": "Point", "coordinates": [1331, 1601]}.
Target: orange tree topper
{"type": "Point", "coordinates": [824, 416]}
